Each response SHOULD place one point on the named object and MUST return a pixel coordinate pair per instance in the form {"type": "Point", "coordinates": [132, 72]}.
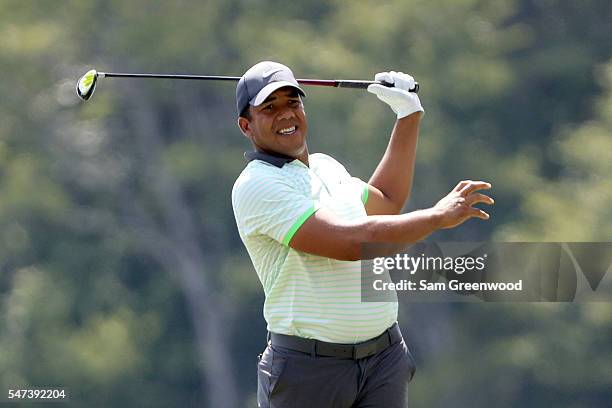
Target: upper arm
{"type": "Point", "coordinates": [378, 204]}
{"type": "Point", "coordinates": [272, 207]}
{"type": "Point", "coordinates": [325, 234]}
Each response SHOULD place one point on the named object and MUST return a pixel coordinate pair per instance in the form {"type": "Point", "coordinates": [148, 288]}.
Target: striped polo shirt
{"type": "Point", "coordinates": [305, 295]}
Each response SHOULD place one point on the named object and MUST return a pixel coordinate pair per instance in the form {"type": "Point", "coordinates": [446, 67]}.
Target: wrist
{"type": "Point", "coordinates": [435, 217]}
{"type": "Point", "coordinates": [409, 110]}
{"type": "Point", "coordinates": [414, 117]}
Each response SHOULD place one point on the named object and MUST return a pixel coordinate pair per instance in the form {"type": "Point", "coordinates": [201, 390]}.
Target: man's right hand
{"type": "Point", "coordinates": [456, 207]}
{"type": "Point", "coordinates": [398, 97]}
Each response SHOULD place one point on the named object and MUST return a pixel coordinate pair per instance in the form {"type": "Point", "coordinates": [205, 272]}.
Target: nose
{"type": "Point", "coordinates": [286, 113]}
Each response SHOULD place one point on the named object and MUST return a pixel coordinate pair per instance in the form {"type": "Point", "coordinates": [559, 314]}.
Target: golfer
{"type": "Point", "coordinates": [303, 220]}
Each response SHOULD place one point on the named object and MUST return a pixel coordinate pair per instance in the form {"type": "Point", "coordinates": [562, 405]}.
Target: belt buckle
{"type": "Point", "coordinates": [364, 350]}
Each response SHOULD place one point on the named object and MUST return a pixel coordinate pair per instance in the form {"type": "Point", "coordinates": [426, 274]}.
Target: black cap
{"type": "Point", "coordinates": [260, 81]}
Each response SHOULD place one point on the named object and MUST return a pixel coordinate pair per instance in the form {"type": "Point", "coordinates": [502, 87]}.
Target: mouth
{"type": "Point", "coordinates": [287, 131]}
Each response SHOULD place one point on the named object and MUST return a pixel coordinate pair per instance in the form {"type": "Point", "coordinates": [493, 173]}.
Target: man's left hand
{"type": "Point", "coordinates": [398, 97]}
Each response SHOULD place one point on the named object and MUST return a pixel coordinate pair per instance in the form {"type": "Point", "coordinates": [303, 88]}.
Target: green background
{"type": "Point", "coordinates": [122, 275]}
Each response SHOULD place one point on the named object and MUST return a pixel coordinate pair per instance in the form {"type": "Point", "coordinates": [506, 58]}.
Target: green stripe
{"type": "Point", "coordinates": [365, 194]}
{"type": "Point", "coordinates": [298, 224]}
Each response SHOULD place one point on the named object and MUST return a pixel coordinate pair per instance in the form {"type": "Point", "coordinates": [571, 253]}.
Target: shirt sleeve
{"type": "Point", "coordinates": [271, 207]}
{"type": "Point", "coordinates": [364, 188]}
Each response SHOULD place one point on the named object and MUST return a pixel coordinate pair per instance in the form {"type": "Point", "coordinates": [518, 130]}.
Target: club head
{"type": "Point", "coordinates": [87, 84]}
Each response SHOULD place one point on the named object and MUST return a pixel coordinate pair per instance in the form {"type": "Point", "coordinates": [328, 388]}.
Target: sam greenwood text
{"type": "Point", "coordinates": [453, 284]}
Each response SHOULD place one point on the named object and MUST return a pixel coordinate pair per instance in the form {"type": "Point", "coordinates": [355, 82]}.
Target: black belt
{"type": "Point", "coordinates": [322, 348]}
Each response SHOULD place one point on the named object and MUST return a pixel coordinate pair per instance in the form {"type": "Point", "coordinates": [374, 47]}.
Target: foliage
{"type": "Point", "coordinates": [122, 276]}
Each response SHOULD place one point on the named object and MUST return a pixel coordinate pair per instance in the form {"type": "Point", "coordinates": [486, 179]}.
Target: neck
{"type": "Point", "coordinates": [303, 157]}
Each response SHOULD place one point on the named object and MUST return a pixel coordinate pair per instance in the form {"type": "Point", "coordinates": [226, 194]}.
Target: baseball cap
{"type": "Point", "coordinates": [260, 81]}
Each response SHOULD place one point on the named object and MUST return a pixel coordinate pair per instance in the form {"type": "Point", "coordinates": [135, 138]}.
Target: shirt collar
{"type": "Point", "coordinates": [278, 160]}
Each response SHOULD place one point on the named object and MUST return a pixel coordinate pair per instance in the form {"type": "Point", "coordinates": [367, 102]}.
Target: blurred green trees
{"type": "Point", "coordinates": [122, 277]}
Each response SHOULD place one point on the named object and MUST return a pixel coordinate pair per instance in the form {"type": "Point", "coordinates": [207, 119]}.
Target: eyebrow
{"type": "Point", "coordinates": [294, 93]}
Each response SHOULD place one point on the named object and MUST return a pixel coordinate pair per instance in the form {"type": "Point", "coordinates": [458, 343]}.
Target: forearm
{"type": "Point", "coordinates": [381, 235]}
{"type": "Point", "coordinates": [403, 229]}
{"type": "Point", "coordinates": [325, 234]}
{"type": "Point", "coordinates": [394, 174]}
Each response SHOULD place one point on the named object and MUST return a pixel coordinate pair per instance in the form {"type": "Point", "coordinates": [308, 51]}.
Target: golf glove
{"type": "Point", "coordinates": [397, 97]}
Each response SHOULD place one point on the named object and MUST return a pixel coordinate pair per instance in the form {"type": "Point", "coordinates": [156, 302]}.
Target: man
{"type": "Point", "coordinates": [303, 220]}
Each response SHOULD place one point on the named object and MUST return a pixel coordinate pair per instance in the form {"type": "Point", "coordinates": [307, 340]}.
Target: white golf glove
{"type": "Point", "coordinates": [397, 97]}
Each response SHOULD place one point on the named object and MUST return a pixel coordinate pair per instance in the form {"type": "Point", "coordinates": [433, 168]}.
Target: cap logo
{"type": "Point", "coordinates": [270, 72]}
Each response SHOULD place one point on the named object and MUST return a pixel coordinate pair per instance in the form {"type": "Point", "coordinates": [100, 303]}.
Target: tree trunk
{"type": "Point", "coordinates": [175, 245]}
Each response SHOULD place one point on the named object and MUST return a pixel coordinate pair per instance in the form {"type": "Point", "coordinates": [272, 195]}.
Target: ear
{"type": "Point", "coordinates": [245, 126]}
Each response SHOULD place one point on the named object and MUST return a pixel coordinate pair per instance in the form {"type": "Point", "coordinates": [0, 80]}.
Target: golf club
{"type": "Point", "coordinates": [87, 83]}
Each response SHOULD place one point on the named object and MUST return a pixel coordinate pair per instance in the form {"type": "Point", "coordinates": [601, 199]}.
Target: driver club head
{"type": "Point", "coordinates": [87, 84]}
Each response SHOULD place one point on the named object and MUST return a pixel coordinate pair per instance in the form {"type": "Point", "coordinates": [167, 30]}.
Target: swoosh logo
{"type": "Point", "coordinates": [272, 71]}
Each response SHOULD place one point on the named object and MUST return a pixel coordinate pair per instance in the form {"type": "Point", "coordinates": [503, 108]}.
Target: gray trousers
{"type": "Point", "coordinates": [292, 379]}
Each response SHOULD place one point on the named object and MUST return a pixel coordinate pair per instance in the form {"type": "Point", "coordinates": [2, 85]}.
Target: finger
{"type": "Point", "coordinates": [473, 186]}
{"type": "Point", "coordinates": [385, 92]}
{"type": "Point", "coordinates": [404, 81]}
{"type": "Point", "coordinates": [383, 77]}
{"type": "Point", "coordinates": [461, 184]}
{"type": "Point", "coordinates": [376, 89]}
{"type": "Point", "coordinates": [478, 213]}
{"type": "Point", "coordinates": [476, 198]}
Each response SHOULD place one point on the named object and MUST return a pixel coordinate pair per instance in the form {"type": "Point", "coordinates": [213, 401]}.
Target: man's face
{"type": "Point", "coordinates": [279, 124]}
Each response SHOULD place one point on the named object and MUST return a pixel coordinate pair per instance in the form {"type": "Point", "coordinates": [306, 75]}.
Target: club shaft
{"type": "Point", "coordinates": [167, 76]}
{"type": "Point", "coordinates": [337, 83]}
